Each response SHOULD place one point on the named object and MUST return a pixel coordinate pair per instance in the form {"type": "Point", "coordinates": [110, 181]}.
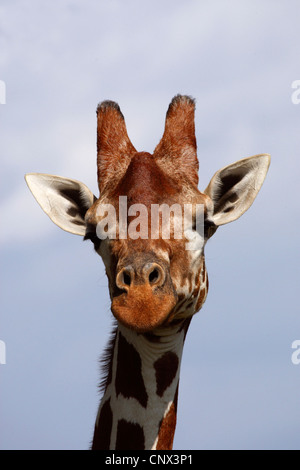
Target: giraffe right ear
{"type": "Point", "coordinates": [64, 200]}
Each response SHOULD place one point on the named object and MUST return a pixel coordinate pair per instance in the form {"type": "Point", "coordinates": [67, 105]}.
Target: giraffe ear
{"type": "Point", "coordinates": [114, 148]}
{"type": "Point", "coordinates": [234, 188]}
{"type": "Point", "coordinates": [64, 200]}
{"type": "Point", "coordinates": [177, 150]}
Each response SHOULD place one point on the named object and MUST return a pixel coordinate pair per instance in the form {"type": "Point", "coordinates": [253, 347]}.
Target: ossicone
{"type": "Point", "coordinates": [177, 149]}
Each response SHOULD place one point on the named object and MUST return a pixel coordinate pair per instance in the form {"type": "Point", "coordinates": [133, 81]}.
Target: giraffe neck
{"type": "Point", "coordinates": [138, 408]}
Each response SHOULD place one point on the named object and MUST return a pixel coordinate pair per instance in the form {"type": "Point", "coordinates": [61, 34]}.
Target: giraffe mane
{"type": "Point", "coordinates": [106, 360]}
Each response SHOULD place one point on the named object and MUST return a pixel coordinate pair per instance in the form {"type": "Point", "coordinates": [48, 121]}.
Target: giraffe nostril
{"type": "Point", "coordinates": [150, 273]}
{"type": "Point", "coordinates": [153, 276]}
{"type": "Point", "coordinates": [126, 278]}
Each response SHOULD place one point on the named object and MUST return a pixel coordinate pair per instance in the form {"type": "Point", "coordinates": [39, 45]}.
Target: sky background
{"type": "Point", "coordinates": [239, 388]}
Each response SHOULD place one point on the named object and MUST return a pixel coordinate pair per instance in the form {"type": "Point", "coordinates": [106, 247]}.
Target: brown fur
{"type": "Point", "coordinates": [166, 431]}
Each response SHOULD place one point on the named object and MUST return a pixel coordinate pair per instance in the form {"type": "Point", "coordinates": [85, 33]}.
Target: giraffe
{"type": "Point", "coordinates": [156, 285]}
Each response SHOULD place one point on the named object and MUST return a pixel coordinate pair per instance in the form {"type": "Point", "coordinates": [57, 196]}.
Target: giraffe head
{"type": "Point", "coordinates": [156, 277]}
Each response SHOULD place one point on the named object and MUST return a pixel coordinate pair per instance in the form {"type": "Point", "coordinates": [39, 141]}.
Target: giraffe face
{"type": "Point", "coordinates": [155, 277]}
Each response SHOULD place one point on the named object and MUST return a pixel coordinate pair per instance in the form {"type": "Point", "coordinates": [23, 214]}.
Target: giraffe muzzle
{"type": "Point", "coordinates": [147, 296]}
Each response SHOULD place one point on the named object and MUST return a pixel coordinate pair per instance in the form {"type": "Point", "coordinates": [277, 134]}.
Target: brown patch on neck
{"type": "Point", "coordinates": [103, 427]}
{"type": "Point", "coordinates": [129, 381]}
{"type": "Point", "coordinates": [167, 430]}
{"type": "Point", "coordinates": [130, 436]}
{"type": "Point", "coordinates": [165, 371]}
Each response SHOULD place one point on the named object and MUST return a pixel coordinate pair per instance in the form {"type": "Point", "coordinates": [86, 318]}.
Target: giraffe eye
{"type": "Point", "coordinates": [209, 228]}
{"type": "Point", "coordinates": [200, 227]}
{"type": "Point", "coordinates": [91, 235]}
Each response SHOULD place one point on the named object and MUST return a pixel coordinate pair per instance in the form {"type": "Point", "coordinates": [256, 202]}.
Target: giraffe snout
{"type": "Point", "coordinates": [151, 274]}
{"type": "Point", "coordinates": [147, 295]}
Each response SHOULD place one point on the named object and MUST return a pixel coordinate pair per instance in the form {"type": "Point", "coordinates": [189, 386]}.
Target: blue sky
{"type": "Point", "coordinates": [239, 388]}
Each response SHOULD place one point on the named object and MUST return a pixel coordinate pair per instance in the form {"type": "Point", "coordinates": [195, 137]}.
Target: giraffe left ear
{"type": "Point", "coordinates": [234, 188]}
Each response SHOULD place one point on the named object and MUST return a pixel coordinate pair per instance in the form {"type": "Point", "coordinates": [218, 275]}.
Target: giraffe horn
{"type": "Point", "coordinates": [114, 148]}
{"type": "Point", "coordinates": [177, 148]}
